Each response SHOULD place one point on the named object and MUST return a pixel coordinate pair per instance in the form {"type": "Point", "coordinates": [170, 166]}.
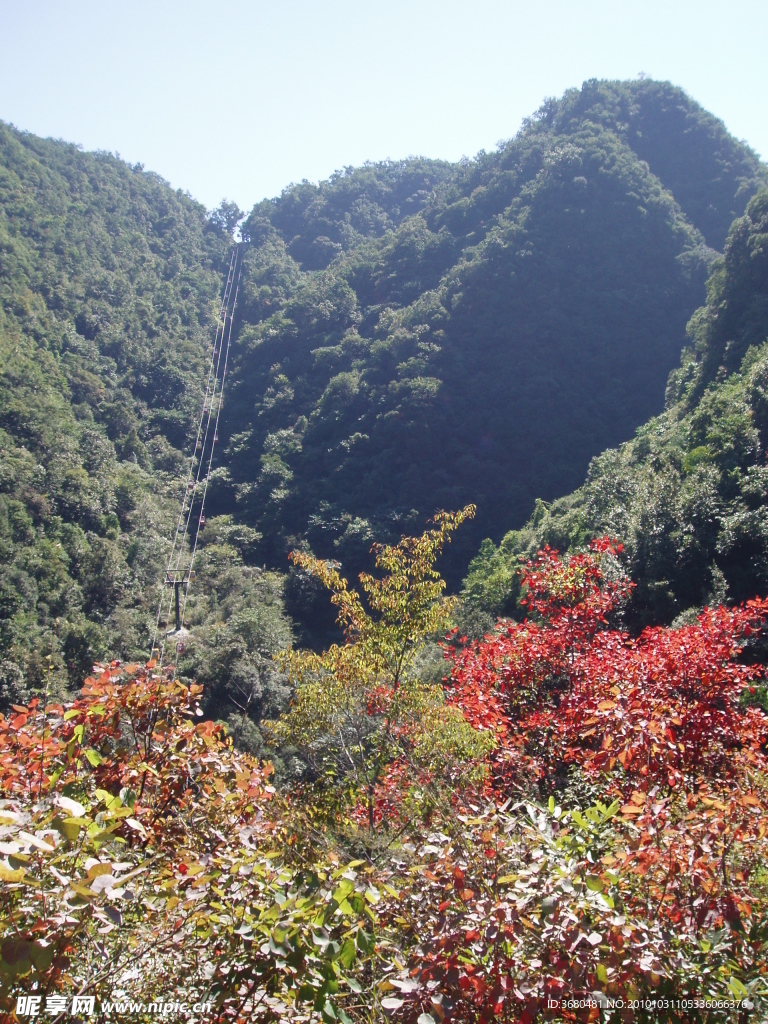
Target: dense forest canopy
{"type": "Point", "coordinates": [688, 494]}
{"type": "Point", "coordinates": [109, 281]}
{"type": "Point", "coordinates": [417, 335]}
{"type": "Point", "coordinates": [412, 335]}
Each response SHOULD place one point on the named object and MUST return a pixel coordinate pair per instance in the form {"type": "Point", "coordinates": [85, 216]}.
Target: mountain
{"type": "Point", "coordinates": [418, 335]}
{"type": "Point", "coordinates": [688, 494]}
{"type": "Point", "coordinates": [109, 282]}
{"type": "Point", "coordinates": [411, 335]}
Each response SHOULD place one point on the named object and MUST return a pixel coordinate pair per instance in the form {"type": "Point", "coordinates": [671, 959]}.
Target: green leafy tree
{"type": "Point", "coordinates": [389, 317]}
{"type": "Point", "coordinates": [227, 216]}
{"type": "Point", "coordinates": [360, 717]}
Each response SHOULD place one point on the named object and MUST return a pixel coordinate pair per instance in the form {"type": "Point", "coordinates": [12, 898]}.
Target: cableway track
{"type": "Point", "coordinates": [179, 572]}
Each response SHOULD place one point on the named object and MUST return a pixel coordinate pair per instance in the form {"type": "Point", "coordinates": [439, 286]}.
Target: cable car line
{"type": "Point", "coordinates": [211, 368]}
{"type": "Point", "coordinates": [177, 576]}
{"type": "Point", "coordinates": [179, 573]}
{"type": "Point", "coordinates": [201, 517]}
{"type": "Point", "coordinates": [190, 484]}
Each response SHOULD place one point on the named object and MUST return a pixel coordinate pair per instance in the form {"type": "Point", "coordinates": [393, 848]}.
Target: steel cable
{"type": "Point", "coordinates": [213, 445]}
{"type": "Point", "coordinates": [213, 394]}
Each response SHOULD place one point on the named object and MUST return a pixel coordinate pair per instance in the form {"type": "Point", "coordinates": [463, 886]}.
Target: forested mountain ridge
{"type": "Point", "coordinates": [709, 173]}
{"type": "Point", "coordinates": [109, 282]}
{"type": "Point", "coordinates": [485, 346]}
{"type": "Point", "coordinates": [411, 335]}
{"type": "Point", "coordinates": [688, 494]}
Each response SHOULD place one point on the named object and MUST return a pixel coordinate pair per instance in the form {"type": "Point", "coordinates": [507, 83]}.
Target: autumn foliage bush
{"type": "Point", "coordinates": [659, 889]}
{"type": "Point", "coordinates": [139, 858]}
{"type": "Point", "coordinates": [607, 841]}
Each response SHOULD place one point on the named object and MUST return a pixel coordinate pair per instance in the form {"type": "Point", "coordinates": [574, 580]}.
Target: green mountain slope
{"type": "Point", "coordinates": [710, 174]}
{"type": "Point", "coordinates": [411, 336]}
{"type": "Point", "coordinates": [688, 495]}
{"type": "Point", "coordinates": [420, 335]}
{"type": "Point", "coordinates": [108, 281]}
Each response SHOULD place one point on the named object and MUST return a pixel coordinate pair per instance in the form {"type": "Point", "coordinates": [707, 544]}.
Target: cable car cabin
{"type": "Point", "coordinates": [199, 446]}
{"type": "Point", "coordinates": [191, 485]}
{"type": "Point", "coordinates": [202, 520]}
{"type": "Point", "coordinates": [216, 437]}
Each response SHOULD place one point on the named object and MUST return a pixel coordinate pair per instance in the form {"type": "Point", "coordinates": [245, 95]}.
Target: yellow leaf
{"type": "Point", "coordinates": [99, 869]}
{"type": "Point", "coordinates": [83, 890]}
{"type": "Point", "coordinates": [11, 876]}
{"type": "Point", "coordinates": [69, 827]}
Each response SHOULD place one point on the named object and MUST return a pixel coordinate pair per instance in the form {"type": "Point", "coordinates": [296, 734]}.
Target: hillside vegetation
{"type": "Point", "coordinates": [109, 283]}
{"type": "Point", "coordinates": [567, 811]}
{"type": "Point", "coordinates": [688, 494]}
{"type": "Point", "coordinates": [411, 336]}
{"type": "Point", "coordinates": [418, 335]}
{"type": "Point", "coordinates": [575, 817]}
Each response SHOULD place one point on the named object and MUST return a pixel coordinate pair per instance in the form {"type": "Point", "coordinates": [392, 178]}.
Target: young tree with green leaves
{"type": "Point", "coordinates": [362, 719]}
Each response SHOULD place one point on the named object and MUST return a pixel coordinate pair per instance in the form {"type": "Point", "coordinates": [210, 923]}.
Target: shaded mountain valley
{"type": "Point", "coordinates": [410, 336]}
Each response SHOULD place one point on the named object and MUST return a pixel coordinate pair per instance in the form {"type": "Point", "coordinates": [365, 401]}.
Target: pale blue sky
{"type": "Point", "coordinates": [238, 98]}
